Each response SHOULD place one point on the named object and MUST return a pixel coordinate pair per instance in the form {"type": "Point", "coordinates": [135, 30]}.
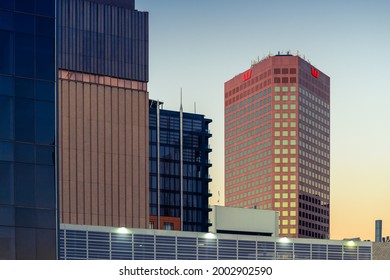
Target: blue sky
{"type": "Point", "coordinates": [199, 45]}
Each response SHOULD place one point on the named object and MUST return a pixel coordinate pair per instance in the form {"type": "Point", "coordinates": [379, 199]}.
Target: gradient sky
{"type": "Point", "coordinates": [199, 45]}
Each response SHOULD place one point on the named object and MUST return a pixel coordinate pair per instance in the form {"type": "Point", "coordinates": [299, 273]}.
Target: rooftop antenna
{"type": "Point", "coordinates": [194, 107]}
{"type": "Point", "coordinates": [181, 99]}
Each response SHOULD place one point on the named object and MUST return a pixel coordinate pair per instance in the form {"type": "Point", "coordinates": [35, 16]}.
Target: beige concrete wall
{"type": "Point", "coordinates": [104, 155]}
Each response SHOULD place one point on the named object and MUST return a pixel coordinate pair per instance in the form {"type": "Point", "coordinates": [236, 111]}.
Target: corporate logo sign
{"type": "Point", "coordinates": [246, 75]}
{"type": "Point", "coordinates": [314, 72]}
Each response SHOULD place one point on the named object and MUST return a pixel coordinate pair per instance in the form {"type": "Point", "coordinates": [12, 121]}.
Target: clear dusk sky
{"type": "Point", "coordinates": [199, 45]}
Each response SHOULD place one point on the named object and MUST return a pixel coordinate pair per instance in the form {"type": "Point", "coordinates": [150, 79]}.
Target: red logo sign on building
{"type": "Point", "coordinates": [246, 75]}
{"type": "Point", "coordinates": [314, 72]}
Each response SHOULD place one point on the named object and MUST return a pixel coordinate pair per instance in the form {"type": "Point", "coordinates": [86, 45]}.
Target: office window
{"type": "Point", "coordinates": [24, 88]}
{"type": "Point", "coordinates": [293, 204]}
{"type": "Point", "coordinates": [24, 120]}
{"type": "Point", "coordinates": [27, 6]}
{"type": "Point", "coordinates": [6, 20]}
{"type": "Point", "coordinates": [168, 226]}
{"type": "Point", "coordinates": [44, 122]}
{"type": "Point", "coordinates": [6, 117]}
{"type": "Point", "coordinates": [24, 23]}
{"type": "Point", "coordinates": [44, 187]}
{"type": "Point", "coordinates": [44, 58]}
{"type": "Point", "coordinates": [6, 182]}
{"type": "Point", "coordinates": [24, 55]}
{"type": "Point", "coordinates": [6, 52]}
{"type": "Point", "coordinates": [24, 184]}
{"type": "Point", "coordinates": [44, 7]}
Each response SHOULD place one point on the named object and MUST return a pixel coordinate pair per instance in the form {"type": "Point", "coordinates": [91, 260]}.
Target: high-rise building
{"type": "Point", "coordinates": [103, 113]}
{"type": "Point", "coordinates": [277, 156]}
{"type": "Point", "coordinates": [28, 206]}
{"type": "Point", "coordinates": [179, 169]}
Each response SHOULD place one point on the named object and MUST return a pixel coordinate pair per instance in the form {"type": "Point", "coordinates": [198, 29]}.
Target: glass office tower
{"type": "Point", "coordinates": [27, 130]}
{"type": "Point", "coordinates": [179, 169]}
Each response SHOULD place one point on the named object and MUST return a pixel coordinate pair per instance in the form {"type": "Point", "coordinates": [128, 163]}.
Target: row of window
{"type": "Point", "coordinates": [284, 231]}
{"type": "Point", "coordinates": [285, 160]}
{"type": "Point", "coordinates": [249, 204]}
{"type": "Point", "coordinates": [23, 184]}
{"type": "Point", "coordinates": [245, 178]}
{"type": "Point", "coordinates": [314, 175]}
{"type": "Point", "coordinates": [251, 200]}
{"type": "Point", "coordinates": [41, 7]}
{"type": "Point", "coordinates": [254, 116]}
{"type": "Point", "coordinates": [257, 109]}
{"type": "Point", "coordinates": [248, 100]}
{"type": "Point", "coordinates": [285, 116]}
{"type": "Point", "coordinates": [27, 88]}
{"type": "Point", "coordinates": [250, 143]}
{"type": "Point", "coordinates": [315, 99]}
{"type": "Point", "coordinates": [249, 159]}
{"type": "Point", "coordinates": [317, 192]}
{"type": "Point", "coordinates": [311, 142]}
{"type": "Point", "coordinates": [26, 55]}
{"type": "Point", "coordinates": [26, 120]}
{"type": "Point", "coordinates": [314, 124]}
{"type": "Point", "coordinates": [285, 89]}
{"type": "Point", "coordinates": [285, 97]}
{"type": "Point", "coordinates": [312, 218]}
{"type": "Point", "coordinates": [319, 151]}
{"type": "Point", "coordinates": [315, 156]}
{"type": "Point", "coordinates": [285, 71]}
{"type": "Point", "coordinates": [250, 134]}
{"type": "Point", "coordinates": [257, 191]}
{"type": "Point", "coordinates": [304, 182]}
{"type": "Point", "coordinates": [313, 133]}
{"type": "Point", "coordinates": [324, 119]}
{"type": "Point", "coordinates": [314, 183]}
{"type": "Point", "coordinates": [285, 106]}
{"type": "Point", "coordinates": [258, 173]}
{"type": "Point", "coordinates": [286, 204]}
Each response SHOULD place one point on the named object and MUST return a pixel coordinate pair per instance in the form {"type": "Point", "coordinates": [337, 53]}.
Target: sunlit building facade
{"type": "Point", "coordinates": [277, 143]}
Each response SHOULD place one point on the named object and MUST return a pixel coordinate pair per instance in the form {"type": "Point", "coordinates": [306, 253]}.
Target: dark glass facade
{"type": "Point", "coordinates": [105, 37]}
{"type": "Point", "coordinates": [189, 204]}
{"type": "Point", "coordinates": [27, 130]}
